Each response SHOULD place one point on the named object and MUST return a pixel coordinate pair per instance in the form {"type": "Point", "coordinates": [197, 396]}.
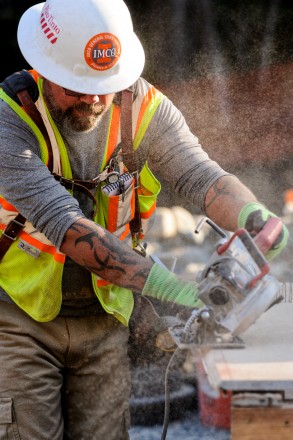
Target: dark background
{"type": "Point", "coordinates": [226, 64]}
{"type": "Point", "coordinates": [188, 37]}
{"type": "Point", "coordinates": [200, 37]}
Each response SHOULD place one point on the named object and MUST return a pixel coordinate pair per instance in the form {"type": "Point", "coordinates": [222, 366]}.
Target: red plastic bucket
{"type": "Point", "coordinates": [215, 412]}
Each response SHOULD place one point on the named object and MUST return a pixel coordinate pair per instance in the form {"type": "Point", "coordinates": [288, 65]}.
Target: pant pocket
{"type": "Point", "coordinates": [8, 427]}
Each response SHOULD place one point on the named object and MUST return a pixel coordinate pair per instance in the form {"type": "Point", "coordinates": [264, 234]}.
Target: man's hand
{"type": "Point", "coordinates": [166, 286]}
{"type": "Point", "coordinates": [253, 217]}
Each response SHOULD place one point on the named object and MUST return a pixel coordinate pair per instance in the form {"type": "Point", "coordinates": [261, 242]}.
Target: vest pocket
{"type": "Point", "coordinates": [8, 426]}
{"type": "Point", "coordinates": [116, 211]}
{"type": "Point", "coordinates": [33, 283]}
{"type": "Point", "coordinates": [147, 195]}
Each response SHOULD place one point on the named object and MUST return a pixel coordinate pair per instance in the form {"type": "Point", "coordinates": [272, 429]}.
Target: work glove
{"type": "Point", "coordinates": [253, 218]}
{"type": "Point", "coordinates": [166, 286]}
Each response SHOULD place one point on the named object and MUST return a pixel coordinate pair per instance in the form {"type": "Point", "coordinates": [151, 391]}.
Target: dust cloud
{"type": "Point", "coordinates": [228, 67]}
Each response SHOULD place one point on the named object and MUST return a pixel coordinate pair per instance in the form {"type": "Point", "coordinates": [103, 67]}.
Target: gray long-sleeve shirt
{"type": "Point", "coordinates": [168, 146]}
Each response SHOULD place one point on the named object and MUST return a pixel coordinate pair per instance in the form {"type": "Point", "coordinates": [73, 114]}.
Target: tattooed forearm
{"type": "Point", "coordinates": [225, 199]}
{"type": "Point", "coordinates": [100, 252]}
{"type": "Point", "coordinates": [88, 238]}
{"type": "Point", "coordinates": [219, 189]}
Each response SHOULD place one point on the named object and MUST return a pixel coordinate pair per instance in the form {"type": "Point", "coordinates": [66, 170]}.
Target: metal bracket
{"type": "Point", "coordinates": [272, 399]}
{"type": "Point", "coordinates": [220, 341]}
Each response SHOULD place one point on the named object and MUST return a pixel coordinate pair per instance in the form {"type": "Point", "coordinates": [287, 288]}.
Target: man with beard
{"type": "Point", "coordinates": [75, 201]}
{"type": "Point", "coordinates": [80, 114]}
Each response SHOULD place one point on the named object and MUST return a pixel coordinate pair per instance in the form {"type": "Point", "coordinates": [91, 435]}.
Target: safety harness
{"type": "Point", "coordinates": [23, 89]}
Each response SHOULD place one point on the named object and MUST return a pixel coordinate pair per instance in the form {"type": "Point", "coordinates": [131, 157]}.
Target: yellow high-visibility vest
{"type": "Point", "coordinates": [31, 270]}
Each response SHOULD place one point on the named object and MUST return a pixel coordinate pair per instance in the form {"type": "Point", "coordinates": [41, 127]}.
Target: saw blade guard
{"type": "Point", "coordinates": [235, 283]}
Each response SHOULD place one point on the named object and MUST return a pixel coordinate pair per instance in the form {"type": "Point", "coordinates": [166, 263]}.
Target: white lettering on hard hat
{"type": "Point", "coordinates": [108, 53]}
{"type": "Point", "coordinates": [49, 25]}
{"type": "Point", "coordinates": [102, 51]}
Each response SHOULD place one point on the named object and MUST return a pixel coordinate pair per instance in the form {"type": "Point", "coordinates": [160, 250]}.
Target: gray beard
{"type": "Point", "coordinates": [86, 119]}
{"type": "Point", "coordinates": [68, 120]}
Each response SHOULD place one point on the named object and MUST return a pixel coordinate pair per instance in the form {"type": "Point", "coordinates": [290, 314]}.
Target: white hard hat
{"type": "Point", "coordinates": [87, 46]}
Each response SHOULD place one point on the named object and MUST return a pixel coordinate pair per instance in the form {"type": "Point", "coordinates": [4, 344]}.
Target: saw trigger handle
{"type": "Point", "coordinates": [268, 235]}
{"type": "Point", "coordinates": [253, 250]}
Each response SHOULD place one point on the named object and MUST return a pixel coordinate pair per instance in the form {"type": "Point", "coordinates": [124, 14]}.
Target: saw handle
{"type": "Point", "coordinates": [261, 243]}
{"type": "Point", "coordinates": [268, 235]}
{"type": "Point", "coordinates": [250, 245]}
{"type": "Point", "coordinates": [254, 252]}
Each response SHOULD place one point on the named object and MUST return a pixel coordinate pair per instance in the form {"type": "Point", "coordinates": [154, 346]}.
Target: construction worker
{"type": "Point", "coordinates": [82, 138]}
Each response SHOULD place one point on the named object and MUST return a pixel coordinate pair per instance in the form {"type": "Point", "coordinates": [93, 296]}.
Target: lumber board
{"type": "Point", "coordinates": [266, 362]}
{"type": "Point", "coordinates": [262, 423]}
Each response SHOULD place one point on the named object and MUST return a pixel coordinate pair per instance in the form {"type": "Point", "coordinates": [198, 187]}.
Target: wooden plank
{"type": "Point", "coordinates": [266, 363]}
{"type": "Point", "coordinates": [266, 423]}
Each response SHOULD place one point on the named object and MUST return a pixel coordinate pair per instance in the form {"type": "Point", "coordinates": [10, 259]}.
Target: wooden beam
{"type": "Point", "coordinates": [252, 423]}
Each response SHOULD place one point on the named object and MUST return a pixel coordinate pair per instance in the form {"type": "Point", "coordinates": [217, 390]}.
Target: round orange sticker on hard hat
{"type": "Point", "coordinates": [102, 51]}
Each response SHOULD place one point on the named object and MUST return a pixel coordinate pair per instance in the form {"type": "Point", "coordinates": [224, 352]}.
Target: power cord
{"type": "Point", "coordinates": [167, 396]}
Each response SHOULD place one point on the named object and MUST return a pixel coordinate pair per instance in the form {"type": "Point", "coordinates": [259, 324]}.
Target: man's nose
{"type": "Point", "coordinates": [90, 99]}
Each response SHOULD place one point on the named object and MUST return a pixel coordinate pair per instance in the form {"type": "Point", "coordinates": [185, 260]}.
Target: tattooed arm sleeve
{"type": "Point", "coordinates": [224, 201]}
{"type": "Point", "coordinates": [100, 252]}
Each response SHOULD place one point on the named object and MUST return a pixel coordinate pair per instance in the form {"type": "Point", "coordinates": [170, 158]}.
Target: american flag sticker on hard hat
{"type": "Point", "coordinates": [49, 25]}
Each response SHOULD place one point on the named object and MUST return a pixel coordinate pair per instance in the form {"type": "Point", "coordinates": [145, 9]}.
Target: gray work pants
{"type": "Point", "coordinates": [67, 379]}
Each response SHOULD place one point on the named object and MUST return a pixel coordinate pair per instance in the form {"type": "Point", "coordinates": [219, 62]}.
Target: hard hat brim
{"type": "Point", "coordinates": [120, 77]}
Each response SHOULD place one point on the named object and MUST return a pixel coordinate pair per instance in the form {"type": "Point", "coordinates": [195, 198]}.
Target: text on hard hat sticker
{"type": "Point", "coordinates": [49, 25]}
{"type": "Point", "coordinates": [102, 51]}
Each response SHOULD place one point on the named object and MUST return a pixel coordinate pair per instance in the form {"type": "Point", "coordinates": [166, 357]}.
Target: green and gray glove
{"type": "Point", "coordinates": [253, 218]}
{"type": "Point", "coordinates": [166, 286]}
